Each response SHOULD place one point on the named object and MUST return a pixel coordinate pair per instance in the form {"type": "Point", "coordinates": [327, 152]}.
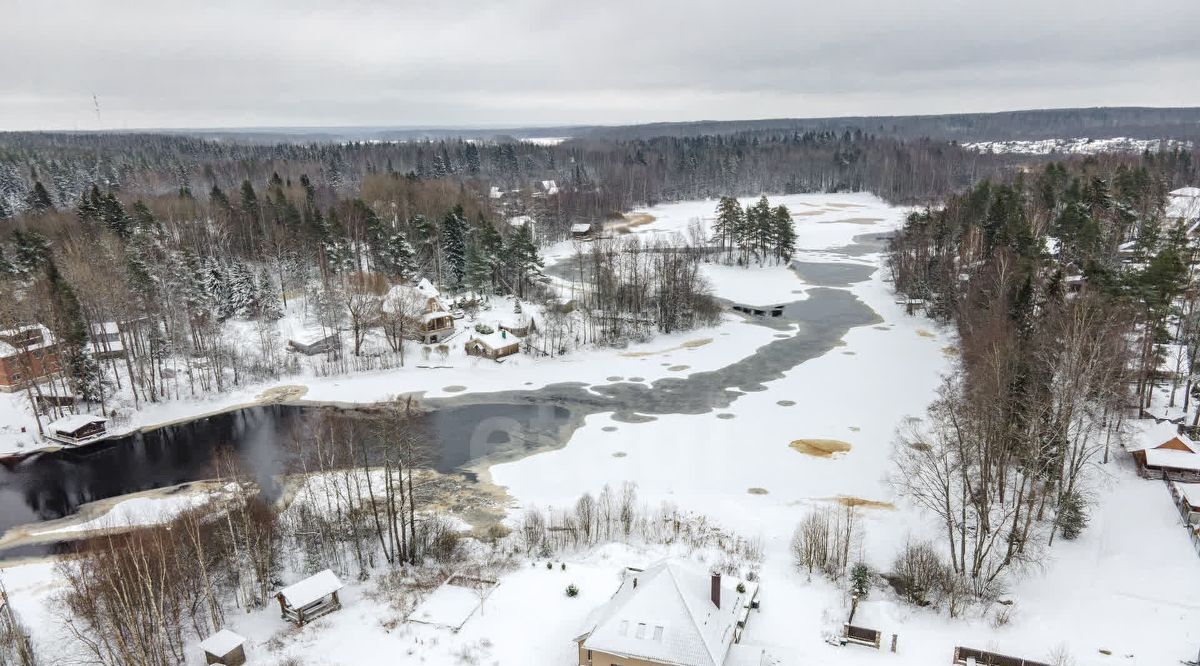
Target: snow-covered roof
{"type": "Point", "coordinates": [426, 288]}
{"type": "Point", "coordinates": [7, 349]}
{"type": "Point", "coordinates": [519, 220]}
{"type": "Point", "coordinates": [1173, 442]}
{"type": "Point", "coordinates": [1190, 192]}
{"type": "Point", "coordinates": [550, 186]}
{"type": "Point", "coordinates": [1172, 459]}
{"type": "Point", "coordinates": [222, 643]}
{"type": "Point", "coordinates": [581, 228]}
{"type": "Point", "coordinates": [1191, 492]}
{"type": "Point", "coordinates": [496, 339]}
{"type": "Point", "coordinates": [74, 422]}
{"type": "Point", "coordinates": [313, 588]}
{"type": "Point", "coordinates": [436, 314]}
{"type": "Point", "coordinates": [495, 192]}
{"type": "Point", "coordinates": [105, 328]}
{"type": "Point", "coordinates": [665, 614]}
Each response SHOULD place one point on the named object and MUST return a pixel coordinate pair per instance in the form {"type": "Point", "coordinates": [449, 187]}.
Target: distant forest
{"type": "Point", "coordinates": [191, 238]}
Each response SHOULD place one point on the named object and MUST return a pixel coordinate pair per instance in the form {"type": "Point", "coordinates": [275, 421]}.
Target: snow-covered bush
{"type": "Point", "coordinates": [919, 574]}
{"type": "Point", "coordinates": [572, 590]}
{"type": "Point", "coordinates": [484, 329]}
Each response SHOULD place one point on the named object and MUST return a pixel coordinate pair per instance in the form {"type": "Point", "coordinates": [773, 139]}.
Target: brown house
{"type": "Point", "coordinates": [671, 615]}
{"type": "Point", "coordinates": [26, 353]}
{"type": "Point", "coordinates": [1177, 459]}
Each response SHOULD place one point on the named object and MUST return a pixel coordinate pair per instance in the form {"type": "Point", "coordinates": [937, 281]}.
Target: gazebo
{"type": "Point", "coordinates": [310, 598]}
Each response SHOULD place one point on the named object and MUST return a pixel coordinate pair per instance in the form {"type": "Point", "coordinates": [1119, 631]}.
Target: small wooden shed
{"type": "Point", "coordinates": [77, 428]}
{"type": "Point", "coordinates": [313, 343]}
{"type": "Point", "coordinates": [310, 598]}
{"type": "Point", "coordinates": [494, 345]}
{"type": "Point", "coordinates": [224, 647]}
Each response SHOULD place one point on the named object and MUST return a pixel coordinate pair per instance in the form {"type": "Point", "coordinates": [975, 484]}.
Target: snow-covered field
{"type": "Point", "coordinates": [1130, 585]}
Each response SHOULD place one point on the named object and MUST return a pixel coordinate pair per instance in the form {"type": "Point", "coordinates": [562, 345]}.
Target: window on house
{"type": "Point", "coordinates": [641, 630]}
{"type": "Point", "coordinates": [624, 628]}
{"type": "Point", "coordinates": [658, 633]}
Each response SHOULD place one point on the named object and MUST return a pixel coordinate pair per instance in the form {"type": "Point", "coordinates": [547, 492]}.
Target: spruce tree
{"type": "Point", "coordinates": [454, 245]}
{"type": "Point", "coordinates": [38, 200]}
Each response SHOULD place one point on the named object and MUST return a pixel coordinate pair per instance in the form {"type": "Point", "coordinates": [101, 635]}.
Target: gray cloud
{"type": "Point", "coordinates": [472, 62]}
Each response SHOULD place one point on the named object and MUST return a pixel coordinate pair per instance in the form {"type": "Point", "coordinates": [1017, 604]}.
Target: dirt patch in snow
{"type": "Point", "coordinates": [950, 351]}
{"type": "Point", "coordinates": [454, 388]}
{"type": "Point", "coordinates": [860, 503]}
{"type": "Point", "coordinates": [614, 378]}
{"type": "Point", "coordinates": [785, 403]}
{"type": "Point", "coordinates": [925, 334]}
{"type": "Point", "coordinates": [609, 428]}
{"type": "Point", "coordinates": [820, 448]}
{"type": "Point", "coordinates": [850, 353]}
{"type": "Point", "coordinates": [282, 393]}
{"type": "Point", "coordinates": [726, 416]}
{"type": "Point", "coordinates": [690, 344]}
{"type": "Point", "coordinates": [632, 221]}
{"type": "Point", "coordinates": [757, 491]}
{"type": "Point", "coordinates": [620, 454]}
{"type": "Point", "coordinates": [678, 368]}
{"type": "Point", "coordinates": [806, 213]}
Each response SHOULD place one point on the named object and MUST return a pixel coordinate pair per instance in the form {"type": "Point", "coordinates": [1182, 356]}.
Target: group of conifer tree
{"type": "Point", "coordinates": [758, 232]}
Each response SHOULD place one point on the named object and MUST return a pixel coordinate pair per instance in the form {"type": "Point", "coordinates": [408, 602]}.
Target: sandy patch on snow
{"type": "Point", "coordinates": [860, 503]}
{"type": "Point", "coordinates": [690, 344]}
{"type": "Point", "coordinates": [925, 334]}
{"type": "Point", "coordinates": [757, 491]}
{"type": "Point", "coordinates": [820, 448]}
{"type": "Point", "coordinates": [807, 213]}
{"type": "Point", "coordinates": [283, 393]}
{"type": "Point", "coordinates": [633, 221]}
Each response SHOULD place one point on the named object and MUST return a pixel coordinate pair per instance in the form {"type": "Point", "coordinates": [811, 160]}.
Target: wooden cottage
{"type": "Point", "coordinates": [494, 345]}
{"type": "Point", "coordinates": [428, 321]}
{"type": "Point", "coordinates": [1176, 459]}
{"type": "Point", "coordinates": [225, 648]}
{"type": "Point", "coordinates": [77, 429]}
{"type": "Point", "coordinates": [310, 598]}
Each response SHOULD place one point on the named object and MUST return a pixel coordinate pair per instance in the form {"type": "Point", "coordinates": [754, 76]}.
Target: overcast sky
{"type": "Point", "coordinates": [163, 63]}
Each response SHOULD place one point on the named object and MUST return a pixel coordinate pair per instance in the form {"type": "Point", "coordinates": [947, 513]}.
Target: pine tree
{"type": "Point", "coordinates": [38, 200]}
{"type": "Point", "coordinates": [397, 257]}
{"type": "Point", "coordinates": [783, 234]}
{"type": "Point", "coordinates": [860, 581]}
{"type": "Point", "coordinates": [454, 245]}
{"type": "Point", "coordinates": [728, 222]}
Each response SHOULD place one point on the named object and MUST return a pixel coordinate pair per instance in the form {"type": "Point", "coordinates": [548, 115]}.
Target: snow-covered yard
{"type": "Point", "coordinates": [1130, 585]}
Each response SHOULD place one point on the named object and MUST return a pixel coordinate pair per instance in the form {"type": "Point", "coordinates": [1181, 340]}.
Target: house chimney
{"type": "Point", "coordinates": [716, 589]}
